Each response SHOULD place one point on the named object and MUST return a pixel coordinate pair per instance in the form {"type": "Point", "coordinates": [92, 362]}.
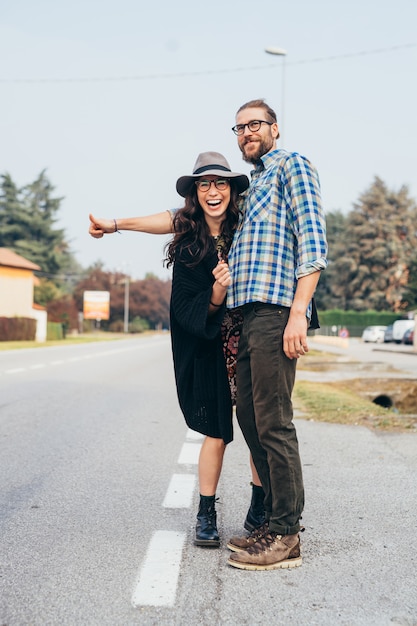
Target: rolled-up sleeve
{"type": "Point", "coordinates": [308, 220]}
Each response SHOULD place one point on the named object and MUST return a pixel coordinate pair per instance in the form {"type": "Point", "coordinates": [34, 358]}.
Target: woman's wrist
{"type": "Point", "coordinates": [218, 294]}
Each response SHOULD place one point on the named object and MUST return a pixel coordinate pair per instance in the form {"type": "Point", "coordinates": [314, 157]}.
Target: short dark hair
{"type": "Point", "coordinates": [260, 104]}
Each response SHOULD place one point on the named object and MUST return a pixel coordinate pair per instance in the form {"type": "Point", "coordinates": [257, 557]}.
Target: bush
{"type": "Point", "coordinates": [54, 331]}
{"type": "Point", "coordinates": [138, 325]}
{"type": "Point", "coordinates": [117, 326]}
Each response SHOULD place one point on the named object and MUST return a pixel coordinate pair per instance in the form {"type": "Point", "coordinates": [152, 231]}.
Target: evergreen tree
{"type": "Point", "coordinates": [410, 295]}
{"type": "Point", "coordinates": [335, 228]}
{"type": "Point", "coordinates": [27, 226]}
{"type": "Point", "coordinates": [370, 262]}
{"type": "Point", "coordinates": [13, 216]}
{"type": "Point", "coordinates": [43, 244]}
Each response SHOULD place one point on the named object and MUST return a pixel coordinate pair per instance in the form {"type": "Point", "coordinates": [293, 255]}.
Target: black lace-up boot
{"type": "Point", "coordinates": [256, 514]}
{"type": "Point", "coordinates": [206, 530]}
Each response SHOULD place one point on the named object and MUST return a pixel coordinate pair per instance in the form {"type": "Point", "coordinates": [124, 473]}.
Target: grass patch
{"type": "Point", "coordinates": [336, 403]}
{"type": "Point", "coordinates": [69, 340]}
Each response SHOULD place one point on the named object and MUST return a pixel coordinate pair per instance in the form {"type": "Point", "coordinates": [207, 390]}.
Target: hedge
{"type": "Point", "coordinates": [17, 329]}
{"type": "Point", "coordinates": [337, 317]}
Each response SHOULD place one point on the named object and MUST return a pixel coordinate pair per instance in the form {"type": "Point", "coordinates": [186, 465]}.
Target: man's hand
{"type": "Point", "coordinates": [295, 336]}
{"type": "Point", "coordinates": [100, 226]}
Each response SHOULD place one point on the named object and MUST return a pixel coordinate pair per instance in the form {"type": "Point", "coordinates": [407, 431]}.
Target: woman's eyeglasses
{"type": "Point", "coordinates": [220, 183]}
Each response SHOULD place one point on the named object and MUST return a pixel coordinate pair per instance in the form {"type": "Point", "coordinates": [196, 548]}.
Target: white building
{"type": "Point", "coordinates": [16, 290]}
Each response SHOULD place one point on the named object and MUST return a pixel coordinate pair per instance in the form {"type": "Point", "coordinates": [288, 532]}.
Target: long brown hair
{"type": "Point", "coordinates": [191, 230]}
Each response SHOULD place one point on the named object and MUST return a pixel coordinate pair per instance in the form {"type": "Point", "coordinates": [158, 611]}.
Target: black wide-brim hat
{"type": "Point", "coordinates": [211, 163]}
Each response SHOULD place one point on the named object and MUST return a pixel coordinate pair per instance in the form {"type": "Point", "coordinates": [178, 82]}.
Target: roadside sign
{"type": "Point", "coordinates": [96, 305]}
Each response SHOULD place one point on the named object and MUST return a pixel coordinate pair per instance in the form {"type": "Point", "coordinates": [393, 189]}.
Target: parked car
{"type": "Point", "coordinates": [389, 334]}
{"type": "Point", "coordinates": [399, 328]}
{"type": "Point", "coordinates": [408, 337]}
{"type": "Point", "coordinates": [375, 334]}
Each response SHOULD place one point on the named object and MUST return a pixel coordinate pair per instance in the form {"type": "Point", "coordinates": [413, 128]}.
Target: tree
{"type": "Point", "coordinates": [369, 265]}
{"type": "Point", "coordinates": [410, 295]}
{"type": "Point", "coordinates": [13, 216]}
{"type": "Point", "coordinates": [335, 227]}
{"type": "Point", "coordinates": [46, 245]}
{"type": "Point", "coordinates": [64, 311]}
{"type": "Point", "coordinates": [27, 226]}
{"type": "Point", "coordinates": [148, 298]}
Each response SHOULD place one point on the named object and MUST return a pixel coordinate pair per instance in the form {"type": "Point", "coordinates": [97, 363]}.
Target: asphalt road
{"type": "Point", "coordinates": [91, 438]}
{"type": "Point", "coordinates": [400, 359]}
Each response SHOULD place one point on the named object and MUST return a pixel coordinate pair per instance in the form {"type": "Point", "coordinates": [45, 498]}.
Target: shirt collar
{"type": "Point", "coordinates": [266, 160]}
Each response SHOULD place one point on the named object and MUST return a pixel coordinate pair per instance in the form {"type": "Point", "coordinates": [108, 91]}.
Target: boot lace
{"type": "Point", "coordinates": [258, 532]}
{"type": "Point", "coordinates": [211, 515]}
{"type": "Point", "coordinates": [263, 543]}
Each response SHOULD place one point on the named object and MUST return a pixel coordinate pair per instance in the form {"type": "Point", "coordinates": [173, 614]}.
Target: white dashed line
{"type": "Point", "coordinates": [192, 435]}
{"type": "Point", "coordinates": [158, 577]}
{"type": "Point", "coordinates": [189, 454]}
{"type": "Point", "coordinates": [180, 491]}
{"type": "Point", "coordinates": [157, 581]}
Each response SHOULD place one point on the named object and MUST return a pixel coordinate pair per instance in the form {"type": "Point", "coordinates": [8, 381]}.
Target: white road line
{"type": "Point", "coordinates": [180, 491]}
{"type": "Point", "coordinates": [37, 366]}
{"type": "Point", "coordinates": [189, 454]}
{"type": "Point", "coordinates": [158, 577]}
{"type": "Point", "coordinates": [192, 435]}
{"type": "Point", "coordinates": [19, 370]}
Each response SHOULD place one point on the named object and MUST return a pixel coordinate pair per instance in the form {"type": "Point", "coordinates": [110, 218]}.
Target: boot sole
{"type": "Point", "coordinates": [286, 564]}
{"type": "Point", "coordinates": [208, 543]}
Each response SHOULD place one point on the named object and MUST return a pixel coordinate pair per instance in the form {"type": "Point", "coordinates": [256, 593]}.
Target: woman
{"type": "Point", "coordinates": [203, 231]}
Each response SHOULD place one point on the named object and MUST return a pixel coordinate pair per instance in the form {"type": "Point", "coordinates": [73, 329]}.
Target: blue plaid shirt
{"type": "Point", "coordinates": [281, 235]}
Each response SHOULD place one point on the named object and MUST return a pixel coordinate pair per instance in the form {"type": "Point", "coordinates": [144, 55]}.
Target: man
{"type": "Point", "coordinates": [275, 261]}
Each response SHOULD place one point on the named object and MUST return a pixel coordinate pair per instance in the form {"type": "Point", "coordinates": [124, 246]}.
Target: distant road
{"type": "Point", "coordinates": [399, 356]}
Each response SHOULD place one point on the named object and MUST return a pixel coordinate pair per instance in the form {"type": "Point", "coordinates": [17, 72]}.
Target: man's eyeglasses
{"type": "Point", "coordinates": [253, 126]}
{"type": "Point", "coordinates": [220, 183]}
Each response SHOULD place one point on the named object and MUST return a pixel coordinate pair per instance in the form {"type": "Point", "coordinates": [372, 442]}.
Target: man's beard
{"type": "Point", "coordinates": [264, 146]}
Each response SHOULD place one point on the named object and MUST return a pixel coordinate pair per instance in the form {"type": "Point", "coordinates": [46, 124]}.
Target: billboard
{"type": "Point", "coordinates": [96, 305]}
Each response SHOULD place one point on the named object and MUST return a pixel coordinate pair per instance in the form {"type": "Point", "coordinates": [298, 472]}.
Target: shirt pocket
{"type": "Point", "coordinates": [259, 202]}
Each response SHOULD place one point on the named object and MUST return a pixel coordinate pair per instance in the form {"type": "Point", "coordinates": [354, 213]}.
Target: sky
{"type": "Point", "coordinates": [116, 100]}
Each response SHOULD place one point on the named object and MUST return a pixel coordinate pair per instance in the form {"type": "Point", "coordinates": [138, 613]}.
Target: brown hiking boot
{"type": "Point", "coordinates": [271, 551]}
{"type": "Point", "coordinates": [237, 544]}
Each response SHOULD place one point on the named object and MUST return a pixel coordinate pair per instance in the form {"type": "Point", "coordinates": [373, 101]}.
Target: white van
{"type": "Point", "coordinates": [399, 327]}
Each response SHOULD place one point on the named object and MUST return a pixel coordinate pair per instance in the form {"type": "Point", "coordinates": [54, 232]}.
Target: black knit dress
{"type": "Point", "coordinates": [199, 362]}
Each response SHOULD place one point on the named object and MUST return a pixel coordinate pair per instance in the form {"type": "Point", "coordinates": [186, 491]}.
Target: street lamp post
{"type": "Point", "coordinates": [126, 311]}
{"type": "Point", "coordinates": [125, 280]}
{"type": "Point", "coordinates": [281, 53]}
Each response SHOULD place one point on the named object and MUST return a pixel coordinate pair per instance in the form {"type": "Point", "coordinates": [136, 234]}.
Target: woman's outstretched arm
{"type": "Point", "coordinates": [156, 224]}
